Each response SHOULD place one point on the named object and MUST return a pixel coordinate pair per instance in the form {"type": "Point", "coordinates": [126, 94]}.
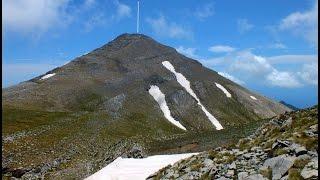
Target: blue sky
{"type": "Point", "coordinates": [268, 46]}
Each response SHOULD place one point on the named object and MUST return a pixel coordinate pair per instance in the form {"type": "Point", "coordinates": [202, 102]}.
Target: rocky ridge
{"type": "Point", "coordinates": [286, 147]}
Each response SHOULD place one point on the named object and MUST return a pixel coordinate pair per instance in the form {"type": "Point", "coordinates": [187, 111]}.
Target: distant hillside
{"type": "Point", "coordinates": [289, 105]}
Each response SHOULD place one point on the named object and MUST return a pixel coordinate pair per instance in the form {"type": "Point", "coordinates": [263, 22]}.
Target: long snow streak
{"type": "Point", "coordinates": [252, 97]}
{"type": "Point", "coordinates": [156, 93]}
{"type": "Point", "coordinates": [223, 89]}
{"type": "Point", "coordinates": [186, 84]}
{"type": "Point", "coordinates": [47, 76]}
{"type": "Point", "coordinates": [138, 169]}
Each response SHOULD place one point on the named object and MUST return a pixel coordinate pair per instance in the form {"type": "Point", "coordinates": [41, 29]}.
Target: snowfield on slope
{"type": "Point", "coordinates": [252, 97]}
{"type": "Point", "coordinates": [224, 90]}
{"type": "Point", "coordinates": [186, 84]}
{"type": "Point", "coordinates": [137, 169]}
{"type": "Point", "coordinates": [156, 93]}
{"type": "Point", "coordinates": [47, 76]}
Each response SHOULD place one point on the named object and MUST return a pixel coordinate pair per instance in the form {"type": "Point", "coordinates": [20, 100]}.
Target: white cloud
{"type": "Point", "coordinates": [189, 52]}
{"type": "Point", "coordinates": [283, 79]}
{"type": "Point", "coordinates": [221, 48]}
{"type": "Point", "coordinates": [292, 59]}
{"type": "Point", "coordinates": [253, 66]}
{"type": "Point", "coordinates": [162, 27]}
{"type": "Point", "coordinates": [258, 69]}
{"type": "Point", "coordinates": [33, 15]}
{"type": "Point", "coordinates": [100, 18]}
{"type": "Point", "coordinates": [278, 46]}
{"type": "Point", "coordinates": [205, 11]}
{"type": "Point", "coordinates": [304, 24]}
{"type": "Point", "coordinates": [244, 25]}
{"type": "Point", "coordinates": [232, 78]}
{"type": "Point", "coordinates": [96, 20]}
{"type": "Point", "coordinates": [250, 64]}
{"type": "Point", "coordinates": [123, 10]}
{"type": "Point", "coordinates": [309, 73]}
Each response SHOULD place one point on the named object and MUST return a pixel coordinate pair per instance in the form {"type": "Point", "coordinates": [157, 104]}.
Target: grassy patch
{"type": "Point", "coordinates": [294, 174]}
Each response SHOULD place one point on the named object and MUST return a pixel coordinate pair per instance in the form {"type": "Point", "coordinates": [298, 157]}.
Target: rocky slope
{"type": "Point", "coordinates": [286, 147]}
{"type": "Point", "coordinates": [77, 118]}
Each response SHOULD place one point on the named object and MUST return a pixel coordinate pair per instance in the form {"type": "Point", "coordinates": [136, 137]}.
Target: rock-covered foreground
{"type": "Point", "coordinates": [284, 148]}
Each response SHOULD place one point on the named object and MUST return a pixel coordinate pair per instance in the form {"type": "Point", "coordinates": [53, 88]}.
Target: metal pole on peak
{"type": "Point", "coordinates": [138, 17]}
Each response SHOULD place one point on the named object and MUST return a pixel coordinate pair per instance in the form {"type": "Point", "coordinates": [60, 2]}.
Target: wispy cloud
{"type": "Point", "coordinates": [96, 20]}
{"type": "Point", "coordinates": [162, 27]}
{"type": "Point", "coordinates": [37, 17]}
{"type": "Point", "coordinates": [204, 11]}
{"type": "Point", "coordinates": [309, 73]}
{"type": "Point", "coordinates": [278, 46]}
{"type": "Point", "coordinates": [292, 59]}
{"type": "Point", "coordinates": [303, 24]}
{"type": "Point", "coordinates": [221, 49]}
{"type": "Point", "coordinates": [244, 25]}
{"type": "Point", "coordinates": [34, 15]}
{"type": "Point", "coordinates": [232, 78]}
{"type": "Point", "coordinates": [189, 52]}
{"type": "Point", "coordinates": [123, 10]}
{"type": "Point", "coordinates": [101, 19]}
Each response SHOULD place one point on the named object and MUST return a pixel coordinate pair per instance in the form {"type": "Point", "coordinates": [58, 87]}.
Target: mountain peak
{"type": "Point", "coordinates": [126, 36]}
{"type": "Point", "coordinates": [134, 45]}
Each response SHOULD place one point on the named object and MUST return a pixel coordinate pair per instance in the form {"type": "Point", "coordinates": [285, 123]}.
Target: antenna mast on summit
{"type": "Point", "coordinates": [138, 17]}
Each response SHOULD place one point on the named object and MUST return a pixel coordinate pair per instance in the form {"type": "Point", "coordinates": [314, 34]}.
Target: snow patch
{"type": "Point", "coordinates": [156, 93]}
{"type": "Point", "coordinates": [252, 97]}
{"type": "Point", "coordinates": [47, 76]}
{"type": "Point", "coordinates": [224, 90]}
{"type": "Point", "coordinates": [138, 169]}
{"type": "Point", "coordinates": [186, 84]}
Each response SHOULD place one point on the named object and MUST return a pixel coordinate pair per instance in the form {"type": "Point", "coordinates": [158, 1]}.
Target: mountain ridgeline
{"type": "Point", "coordinates": [98, 106]}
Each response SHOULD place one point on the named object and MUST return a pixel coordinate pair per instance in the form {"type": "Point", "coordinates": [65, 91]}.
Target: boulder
{"type": "Point", "coordinates": [280, 143]}
{"type": "Point", "coordinates": [307, 173]}
{"type": "Point", "coordinates": [208, 162]}
{"type": "Point", "coordinates": [288, 122]}
{"type": "Point", "coordinates": [310, 171]}
{"type": "Point", "coordinates": [242, 175]}
{"type": "Point", "coordinates": [279, 165]}
{"type": "Point", "coordinates": [298, 149]}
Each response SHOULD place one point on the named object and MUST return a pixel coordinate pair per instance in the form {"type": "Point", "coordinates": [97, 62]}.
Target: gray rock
{"type": "Point", "coordinates": [288, 122]}
{"type": "Point", "coordinates": [255, 177]}
{"type": "Point", "coordinates": [309, 173]}
{"type": "Point", "coordinates": [313, 154]}
{"type": "Point", "coordinates": [285, 177]}
{"type": "Point", "coordinates": [314, 128]}
{"type": "Point", "coordinates": [248, 155]}
{"type": "Point", "coordinates": [280, 143]}
{"type": "Point", "coordinates": [230, 173]}
{"type": "Point", "coordinates": [208, 162]}
{"type": "Point", "coordinates": [279, 165]}
{"type": "Point", "coordinates": [114, 104]}
{"type": "Point", "coordinates": [310, 170]}
{"type": "Point", "coordinates": [298, 149]}
{"type": "Point", "coordinates": [232, 165]}
{"type": "Point", "coordinates": [242, 175]}
{"type": "Point", "coordinates": [303, 157]}
{"type": "Point", "coordinates": [223, 178]}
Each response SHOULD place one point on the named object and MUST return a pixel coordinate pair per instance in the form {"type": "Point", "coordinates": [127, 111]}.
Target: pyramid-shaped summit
{"type": "Point", "coordinates": [116, 78]}
{"type": "Point", "coordinates": [131, 90]}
